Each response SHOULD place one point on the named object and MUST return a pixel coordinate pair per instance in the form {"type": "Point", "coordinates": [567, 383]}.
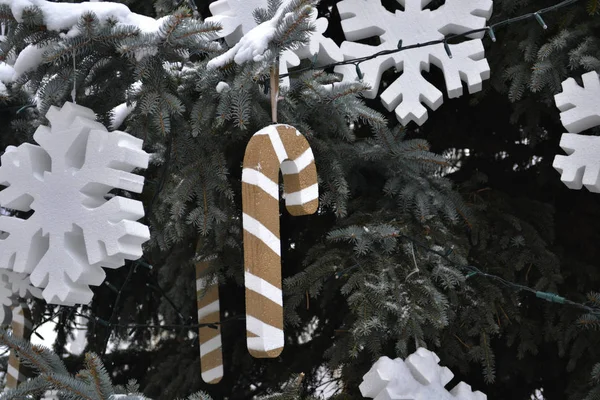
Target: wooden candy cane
{"type": "Point", "coordinates": [21, 327]}
{"type": "Point", "coordinates": [211, 355]}
{"type": "Point", "coordinates": [269, 150]}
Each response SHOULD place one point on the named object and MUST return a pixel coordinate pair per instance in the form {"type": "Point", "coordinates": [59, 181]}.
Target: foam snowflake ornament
{"type": "Point", "coordinates": [14, 286]}
{"type": "Point", "coordinates": [74, 230]}
{"type": "Point", "coordinates": [580, 110]}
{"type": "Point", "coordinates": [362, 19]}
{"type": "Point", "coordinates": [236, 18]}
{"type": "Point", "coordinates": [419, 377]}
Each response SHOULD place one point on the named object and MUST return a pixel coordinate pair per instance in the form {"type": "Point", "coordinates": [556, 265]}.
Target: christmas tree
{"type": "Point", "coordinates": [439, 226]}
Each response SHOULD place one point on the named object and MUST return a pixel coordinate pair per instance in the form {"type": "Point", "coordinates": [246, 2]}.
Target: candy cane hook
{"type": "Point", "coordinates": [21, 328]}
{"type": "Point", "coordinates": [269, 150]}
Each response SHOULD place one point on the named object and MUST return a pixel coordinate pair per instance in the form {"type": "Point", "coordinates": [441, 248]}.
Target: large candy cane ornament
{"type": "Point", "coordinates": [269, 150]}
{"type": "Point", "coordinates": [21, 327]}
{"type": "Point", "coordinates": [211, 355]}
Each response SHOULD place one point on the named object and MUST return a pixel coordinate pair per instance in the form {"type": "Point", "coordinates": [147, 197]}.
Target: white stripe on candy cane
{"type": "Point", "coordinates": [256, 228]}
{"type": "Point", "coordinates": [269, 337]}
{"type": "Point", "coordinates": [264, 288]}
{"type": "Point", "coordinates": [296, 166]}
{"type": "Point", "coordinates": [256, 178]}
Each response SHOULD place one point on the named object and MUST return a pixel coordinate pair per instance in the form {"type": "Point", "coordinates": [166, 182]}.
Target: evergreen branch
{"type": "Point", "coordinates": [65, 50]}
{"type": "Point", "coordinates": [34, 386]}
{"type": "Point", "coordinates": [174, 22]}
{"type": "Point", "coordinates": [293, 27]}
{"type": "Point", "coordinates": [69, 384]}
{"type": "Point", "coordinates": [26, 351]}
{"type": "Point", "coordinates": [102, 384]}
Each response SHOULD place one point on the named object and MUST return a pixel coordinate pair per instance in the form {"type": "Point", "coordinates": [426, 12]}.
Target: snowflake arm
{"type": "Point", "coordinates": [13, 255]}
{"type": "Point", "coordinates": [58, 273]}
{"type": "Point", "coordinates": [372, 69]}
{"type": "Point", "coordinates": [406, 94]}
{"type": "Point", "coordinates": [581, 165]}
{"type": "Point", "coordinates": [112, 232]}
{"type": "Point", "coordinates": [458, 16]}
{"type": "Point", "coordinates": [21, 166]}
{"type": "Point", "coordinates": [324, 48]}
{"type": "Point", "coordinates": [580, 106]}
{"type": "Point", "coordinates": [419, 377]}
{"type": "Point", "coordinates": [235, 16]}
{"type": "Point", "coordinates": [21, 285]}
{"type": "Point", "coordinates": [13, 286]}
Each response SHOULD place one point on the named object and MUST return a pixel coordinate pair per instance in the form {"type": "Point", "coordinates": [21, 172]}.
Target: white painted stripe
{"type": "Point", "coordinates": [264, 288]}
{"type": "Point", "coordinates": [208, 309]}
{"type": "Point", "coordinates": [303, 196]}
{"type": "Point", "coordinates": [210, 345]}
{"type": "Point", "coordinates": [12, 371]}
{"type": "Point", "coordinates": [269, 337]}
{"type": "Point", "coordinates": [256, 178]}
{"type": "Point", "coordinates": [299, 164]}
{"type": "Point", "coordinates": [212, 374]}
{"type": "Point", "coordinates": [18, 319]}
{"type": "Point", "coordinates": [278, 145]}
{"type": "Point", "coordinates": [257, 229]}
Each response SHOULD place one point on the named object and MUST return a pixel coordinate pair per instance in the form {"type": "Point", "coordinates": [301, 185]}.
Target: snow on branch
{"type": "Point", "coordinates": [254, 45]}
{"type": "Point", "coordinates": [64, 16]}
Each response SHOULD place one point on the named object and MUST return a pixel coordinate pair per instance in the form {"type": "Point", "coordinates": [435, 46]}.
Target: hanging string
{"type": "Point", "coordinates": [74, 91]}
{"type": "Point", "coordinates": [274, 89]}
{"type": "Point", "coordinates": [490, 30]}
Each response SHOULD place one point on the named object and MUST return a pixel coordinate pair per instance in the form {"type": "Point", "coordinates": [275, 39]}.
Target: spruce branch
{"type": "Point", "coordinates": [34, 356]}
{"type": "Point", "coordinates": [101, 380]}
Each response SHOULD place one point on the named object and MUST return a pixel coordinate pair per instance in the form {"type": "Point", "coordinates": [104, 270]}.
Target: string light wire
{"type": "Point", "coordinates": [474, 271]}
{"type": "Point", "coordinates": [490, 30]}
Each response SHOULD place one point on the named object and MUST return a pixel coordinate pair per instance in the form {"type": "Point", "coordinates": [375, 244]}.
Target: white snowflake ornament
{"type": "Point", "coordinates": [74, 231]}
{"type": "Point", "coordinates": [419, 377]}
{"type": "Point", "coordinates": [14, 286]}
{"type": "Point", "coordinates": [580, 110]}
{"type": "Point", "coordinates": [236, 18]}
{"type": "Point", "coordinates": [363, 19]}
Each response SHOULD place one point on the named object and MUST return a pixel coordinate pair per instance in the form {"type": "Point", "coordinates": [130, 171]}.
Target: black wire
{"type": "Point", "coordinates": [164, 294]}
{"type": "Point", "coordinates": [174, 326]}
{"type": "Point", "coordinates": [114, 311]}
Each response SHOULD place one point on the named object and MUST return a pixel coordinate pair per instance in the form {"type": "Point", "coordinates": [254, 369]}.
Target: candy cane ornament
{"type": "Point", "coordinates": [276, 147]}
{"type": "Point", "coordinates": [21, 328]}
{"type": "Point", "coordinates": [211, 355]}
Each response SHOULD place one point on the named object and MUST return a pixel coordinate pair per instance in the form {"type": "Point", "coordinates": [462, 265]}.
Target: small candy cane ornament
{"type": "Point", "coordinates": [211, 355]}
{"type": "Point", "coordinates": [269, 150]}
{"type": "Point", "coordinates": [21, 327]}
